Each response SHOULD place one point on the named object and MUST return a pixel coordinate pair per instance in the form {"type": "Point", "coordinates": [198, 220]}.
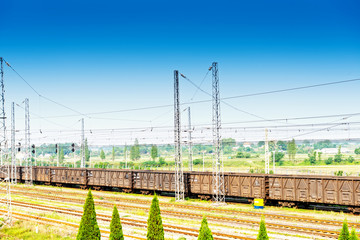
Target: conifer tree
{"type": "Point", "coordinates": [205, 232]}
{"type": "Point", "coordinates": [353, 235]}
{"type": "Point", "coordinates": [89, 229]}
{"type": "Point", "coordinates": [116, 232]}
{"type": "Point", "coordinates": [344, 234]}
{"type": "Point", "coordinates": [155, 230]}
{"type": "Point", "coordinates": [262, 231]}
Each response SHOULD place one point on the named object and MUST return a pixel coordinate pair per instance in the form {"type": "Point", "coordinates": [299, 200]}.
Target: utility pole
{"type": "Point", "coordinates": [267, 157]}
{"type": "Point", "coordinates": [190, 143]}
{"type": "Point", "coordinates": [274, 157]}
{"type": "Point", "coordinates": [125, 155]}
{"type": "Point", "coordinates": [218, 168]}
{"type": "Point", "coordinates": [13, 147]}
{"type": "Point", "coordinates": [179, 176]}
{"type": "Point", "coordinates": [203, 161]}
{"type": "Point", "coordinates": [6, 215]}
{"type": "Point", "coordinates": [28, 158]}
{"type": "Point", "coordinates": [82, 144]}
{"type": "Point", "coordinates": [58, 154]}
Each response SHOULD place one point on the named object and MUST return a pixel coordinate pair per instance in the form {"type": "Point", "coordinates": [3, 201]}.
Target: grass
{"type": "Point", "coordinates": [27, 230]}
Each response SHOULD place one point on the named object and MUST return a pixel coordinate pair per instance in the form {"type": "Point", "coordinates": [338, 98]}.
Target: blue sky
{"type": "Point", "coordinates": [111, 55]}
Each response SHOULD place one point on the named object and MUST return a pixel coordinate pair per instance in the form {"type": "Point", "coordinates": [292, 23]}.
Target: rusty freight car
{"type": "Point", "coordinates": [290, 190]}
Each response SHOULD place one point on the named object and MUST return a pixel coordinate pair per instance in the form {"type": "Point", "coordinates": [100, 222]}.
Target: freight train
{"type": "Point", "coordinates": [283, 190]}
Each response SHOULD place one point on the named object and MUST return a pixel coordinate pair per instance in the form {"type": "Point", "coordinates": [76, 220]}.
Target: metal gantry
{"type": "Point", "coordinates": [218, 183]}
{"type": "Point", "coordinates": [82, 144]}
{"type": "Point", "coordinates": [27, 150]}
{"type": "Point", "coordinates": [5, 195]}
{"type": "Point", "coordinates": [179, 176]}
{"type": "Point", "coordinates": [13, 147]}
{"type": "Point", "coordinates": [190, 142]}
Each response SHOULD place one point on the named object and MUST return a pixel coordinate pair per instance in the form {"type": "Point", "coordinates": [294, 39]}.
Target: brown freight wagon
{"type": "Point", "coordinates": [42, 174]}
{"type": "Point", "coordinates": [236, 185]}
{"type": "Point", "coordinates": [109, 178]}
{"type": "Point", "coordinates": [291, 190]}
{"type": "Point", "coordinates": [147, 181]}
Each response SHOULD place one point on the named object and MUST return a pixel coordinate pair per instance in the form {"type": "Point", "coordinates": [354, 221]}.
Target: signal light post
{"type": "Point", "coordinates": [73, 151]}
{"type": "Point", "coordinates": [33, 151]}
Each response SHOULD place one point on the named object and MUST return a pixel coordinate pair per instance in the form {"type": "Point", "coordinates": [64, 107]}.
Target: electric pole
{"type": "Point", "coordinates": [190, 143]}
{"type": "Point", "coordinates": [125, 155]}
{"type": "Point", "coordinates": [5, 216]}
{"type": "Point", "coordinates": [218, 168]}
{"type": "Point", "coordinates": [58, 154]}
{"type": "Point", "coordinates": [82, 144]}
{"type": "Point", "coordinates": [267, 157]}
{"type": "Point", "coordinates": [179, 176]}
{"type": "Point", "coordinates": [13, 147]}
{"type": "Point", "coordinates": [28, 158]}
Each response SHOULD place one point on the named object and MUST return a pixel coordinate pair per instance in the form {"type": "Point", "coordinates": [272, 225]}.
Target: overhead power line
{"type": "Point", "coordinates": [226, 103]}
{"type": "Point", "coordinates": [44, 97]}
{"type": "Point", "coordinates": [209, 100]}
{"type": "Point", "coordinates": [185, 103]}
{"type": "Point", "coordinates": [293, 89]}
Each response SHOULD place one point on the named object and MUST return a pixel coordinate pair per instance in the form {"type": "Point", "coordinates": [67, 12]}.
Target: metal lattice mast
{"type": "Point", "coordinates": [28, 162]}
{"type": "Point", "coordinates": [13, 147]}
{"type": "Point", "coordinates": [218, 182]}
{"type": "Point", "coordinates": [5, 196]}
{"type": "Point", "coordinates": [190, 143]}
{"type": "Point", "coordinates": [82, 144]}
{"type": "Point", "coordinates": [179, 176]}
{"type": "Point", "coordinates": [267, 155]}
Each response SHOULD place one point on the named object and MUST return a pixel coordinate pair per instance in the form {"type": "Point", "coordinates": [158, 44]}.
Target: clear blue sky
{"type": "Point", "coordinates": [110, 55]}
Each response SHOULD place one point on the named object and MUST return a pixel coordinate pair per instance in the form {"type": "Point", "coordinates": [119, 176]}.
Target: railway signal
{"type": "Point", "coordinates": [19, 147]}
{"type": "Point", "coordinates": [33, 149]}
{"type": "Point", "coordinates": [73, 147]}
{"type": "Point", "coordinates": [56, 148]}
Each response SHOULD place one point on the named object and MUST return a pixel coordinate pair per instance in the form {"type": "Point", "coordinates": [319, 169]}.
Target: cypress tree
{"type": "Point", "coordinates": [155, 230]}
{"type": "Point", "coordinates": [89, 229]}
{"type": "Point", "coordinates": [353, 235]}
{"type": "Point", "coordinates": [262, 231]}
{"type": "Point", "coordinates": [116, 232]}
{"type": "Point", "coordinates": [344, 234]}
{"type": "Point", "coordinates": [205, 232]}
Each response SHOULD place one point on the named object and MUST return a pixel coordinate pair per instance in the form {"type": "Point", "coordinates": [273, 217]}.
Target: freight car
{"type": "Point", "coordinates": [283, 190]}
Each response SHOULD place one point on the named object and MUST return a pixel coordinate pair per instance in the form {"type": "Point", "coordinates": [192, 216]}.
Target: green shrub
{"type": "Point", "coordinates": [116, 232]}
{"type": "Point", "coordinates": [197, 161]}
{"type": "Point", "coordinates": [339, 173]}
{"type": "Point", "coordinates": [262, 231]}
{"type": "Point", "coordinates": [205, 232]}
{"type": "Point", "coordinates": [162, 162]}
{"type": "Point", "coordinates": [338, 158]}
{"type": "Point", "coordinates": [329, 161]}
{"type": "Point", "coordinates": [344, 233]}
{"type": "Point", "coordinates": [89, 229]}
{"type": "Point", "coordinates": [240, 155]}
{"type": "Point", "coordinates": [353, 235]}
{"type": "Point", "coordinates": [350, 159]}
{"type": "Point", "coordinates": [155, 230]}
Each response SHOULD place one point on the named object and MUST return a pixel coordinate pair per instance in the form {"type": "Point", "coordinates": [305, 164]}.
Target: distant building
{"type": "Point", "coordinates": [247, 144]}
{"type": "Point", "coordinates": [334, 150]}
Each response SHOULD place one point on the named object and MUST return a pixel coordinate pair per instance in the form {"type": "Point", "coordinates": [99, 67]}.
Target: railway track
{"type": "Point", "coordinates": [217, 210]}
{"type": "Point", "coordinates": [276, 226]}
{"type": "Point", "coordinates": [127, 221]}
{"type": "Point", "coordinates": [51, 221]}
